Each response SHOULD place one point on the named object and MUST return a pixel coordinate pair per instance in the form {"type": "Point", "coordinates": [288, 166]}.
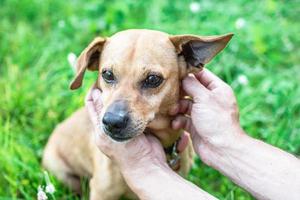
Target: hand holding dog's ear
{"type": "Point", "coordinates": [199, 50]}
{"type": "Point", "coordinates": [212, 116]}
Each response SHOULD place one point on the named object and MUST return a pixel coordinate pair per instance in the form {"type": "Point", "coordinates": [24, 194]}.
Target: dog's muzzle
{"type": "Point", "coordinates": [117, 122]}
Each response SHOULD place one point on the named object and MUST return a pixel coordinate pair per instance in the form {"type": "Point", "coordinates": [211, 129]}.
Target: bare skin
{"type": "Point", "coordinates": [263, 170]}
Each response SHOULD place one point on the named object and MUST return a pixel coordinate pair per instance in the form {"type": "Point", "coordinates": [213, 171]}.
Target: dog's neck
{"type": "Point", "coordinates": [169, 138]}
{"type": "Point", "coordinates": [161, 128]}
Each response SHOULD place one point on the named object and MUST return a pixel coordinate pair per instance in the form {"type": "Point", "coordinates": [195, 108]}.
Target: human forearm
{"type": "Point", "coordinates": [157, 181]}
{"type": "Point", "coordinates": [212, 118]}
{"type": "Point", "coordinates": [265, 171]}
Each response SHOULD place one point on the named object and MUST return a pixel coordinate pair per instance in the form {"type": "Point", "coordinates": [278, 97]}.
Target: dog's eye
{"type": "Point", "coordinates": [152, 81]}
{"type": "Point", "coordinates": [108, 76]}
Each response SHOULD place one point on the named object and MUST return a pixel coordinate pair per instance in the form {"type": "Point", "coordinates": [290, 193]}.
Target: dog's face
{"type": "Point", "coordinates": [139, 75]}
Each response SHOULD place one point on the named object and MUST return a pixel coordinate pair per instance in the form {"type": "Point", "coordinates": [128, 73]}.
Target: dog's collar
{"type": "Point", "coordinates": [173, 156]}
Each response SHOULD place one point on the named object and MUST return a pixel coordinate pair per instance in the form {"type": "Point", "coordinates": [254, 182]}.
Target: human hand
{"type": "Point", "coordinates": [138, 152]}
{"type": "Point", "coordinates": [211, 117]}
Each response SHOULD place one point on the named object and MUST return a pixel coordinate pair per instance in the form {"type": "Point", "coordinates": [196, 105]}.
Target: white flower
{"type": "Point", "coordinates": [72, 60]}
{"type": "Point", "coordinates": [195, 7]}
{"type": "Point", "coordinates": [243, 80]}
{"type": "Point", "coordinates": [41, 195]}
{"type": "Point", "coordinates": [240, 23]}
{"type": "Point", "coordinates": [50, 188]}
{"type": "Point", "coordinates": [61, 23]}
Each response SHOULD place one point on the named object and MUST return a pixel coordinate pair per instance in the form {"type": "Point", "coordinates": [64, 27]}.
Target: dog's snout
{"type": "Point", "coordinates": [115, 121]}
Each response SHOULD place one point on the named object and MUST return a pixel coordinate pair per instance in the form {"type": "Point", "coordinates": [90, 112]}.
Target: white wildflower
{"type": "Point", "coordinates": [195, 7]}
{"type": "Point", "coordinates": [41, 195]}
{"type": "Point", "coordinates": [50, 188]}
{"type": "Point", "coordinates": [242, 79]}
{"type": "Point", "coordinates": [240, 23]}
{"type": "Point", "coordinates": [61, 23]}
{"type": "Point", "coordinates": [72, 60]}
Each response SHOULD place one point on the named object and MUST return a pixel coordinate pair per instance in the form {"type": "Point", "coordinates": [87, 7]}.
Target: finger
{"type": "Point", "coordinates": [91, 107]}
{"type": "Point", "coordinates": [89, 97]}
{"type": "Point", "coordinates": [103, 142]}
{"type": "Point", "coordinates": [182, 122]}
{"type": "Point", "coordinates": [193, 87]}
{"type": "Point", "coordinates": [156, 147]}
{"type": "Point", "coordinates": [92, 113]}
{"type": "Point", "coordinates": [209, 79]}
{"type": "Point", "coordinates": [175, 108]}
{"type": "Point", "coordinates": [183, 142]}
{"type": "Point", "coordinates": [185, 106]}
{"type": "Point", "coordinates": [154, 141]}
{"type": "Point", "coordinates": [96, 95]}
{"type": "Point", "coordinates": [182, 92]}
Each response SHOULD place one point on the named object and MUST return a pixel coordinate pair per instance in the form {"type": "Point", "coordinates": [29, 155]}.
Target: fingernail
{"type": "Point", "coordinates": [183, 142]}
{"type": "Point", "coordinates": [190, 75]}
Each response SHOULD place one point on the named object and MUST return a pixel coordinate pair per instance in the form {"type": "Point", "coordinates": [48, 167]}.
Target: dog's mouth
{"type": "Point", "coordinates": [116, 137]}
{"type": "Point", "coordinates": [120, 139]}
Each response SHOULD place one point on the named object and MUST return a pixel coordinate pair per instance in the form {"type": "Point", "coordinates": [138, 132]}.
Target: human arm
{"type": "Point", "coordinates": [265, 171]}
{"type": "Point", "coordinates": [160, 182]}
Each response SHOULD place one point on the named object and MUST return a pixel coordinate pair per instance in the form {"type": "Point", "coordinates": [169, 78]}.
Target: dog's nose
{"type": "Point", "coordinates": [115, 122]}
{"type": "Point", "coordinates": [116, 118]}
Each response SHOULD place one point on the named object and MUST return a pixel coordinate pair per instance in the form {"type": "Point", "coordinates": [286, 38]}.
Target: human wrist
{"type": "Point", "coordinates": [140, 176]}
{"type": "Point", "coordinates": [227, 137]}
{"type": "Point", "coordinates": [156, 180]}
{"type": "Point", "coordinates": [141, 167]}
{"type": "Point", "coordinates": [217, 147]}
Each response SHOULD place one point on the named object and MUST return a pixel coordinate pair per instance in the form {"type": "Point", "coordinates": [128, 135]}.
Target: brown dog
{"type": "Point", "coordinates": [139, 75]}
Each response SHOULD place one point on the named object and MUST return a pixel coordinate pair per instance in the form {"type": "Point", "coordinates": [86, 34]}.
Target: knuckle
{"type": "Point", "coordinates": [197, 99]}
{"type": "Point", "coordinates": [202, 97]}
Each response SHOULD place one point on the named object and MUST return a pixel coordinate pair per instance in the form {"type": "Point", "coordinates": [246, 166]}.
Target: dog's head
{"type": "Point", "coordinates": [140, 73]}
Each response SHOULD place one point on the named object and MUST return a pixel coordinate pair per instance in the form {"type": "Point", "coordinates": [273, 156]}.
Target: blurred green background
{"type": "Point", "coordinates": [261, 63]}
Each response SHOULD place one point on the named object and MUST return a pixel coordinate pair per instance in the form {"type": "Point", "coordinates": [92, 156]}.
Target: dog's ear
{"type": "Point", "coordinates": [198, 50]}
{"type": "Point", "coordinates": [88, 59]}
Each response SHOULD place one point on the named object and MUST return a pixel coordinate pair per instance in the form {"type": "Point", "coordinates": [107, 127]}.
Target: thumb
{"type": "Point", "coordinates": [156, 147]}
{"type": "Point", "coordinates": [193, 87]}
{"type": "Point", "coordinates": [154, 141]}
{"type": "Point", "coordinates": [96, 95]}
{"type": "Point", "coordinates": [183, 122]}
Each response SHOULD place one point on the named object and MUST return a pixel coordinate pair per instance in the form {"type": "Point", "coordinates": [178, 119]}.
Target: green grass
{"type": "Point", "coordinates": [36, 37]}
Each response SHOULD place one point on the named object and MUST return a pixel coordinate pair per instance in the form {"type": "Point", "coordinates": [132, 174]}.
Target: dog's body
{"type": "Point", "coordinates": [141, 72]}
{"type": "Point", "coordinates": [85, 160]}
